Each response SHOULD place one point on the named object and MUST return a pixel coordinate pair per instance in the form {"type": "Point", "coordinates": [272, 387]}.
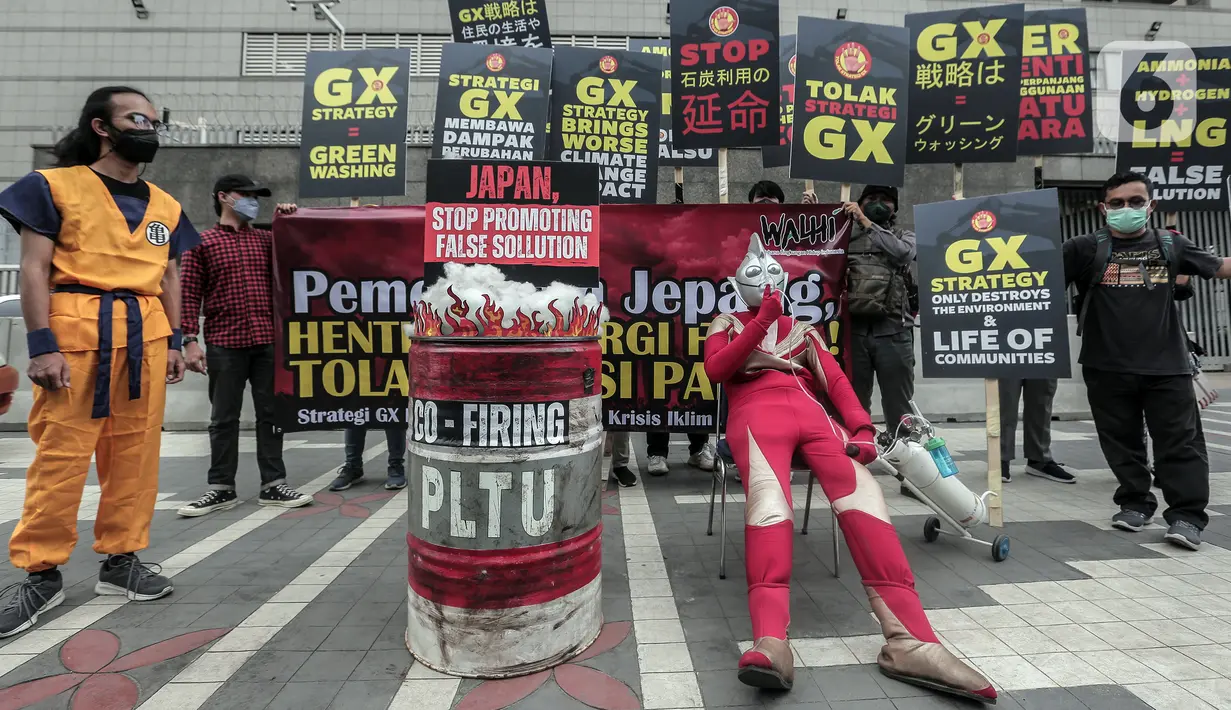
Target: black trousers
{"type": "Point", "coordinates": [1167, 405]}
{"type": "Point", "coordinates": [230, 371]}
{"type": "Point", "coordinates": [891, 360]}
{"type": "Point", "coordinates": [658, 443]}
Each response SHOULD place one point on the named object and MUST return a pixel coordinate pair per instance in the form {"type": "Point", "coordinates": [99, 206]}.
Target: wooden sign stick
{"type": "Point", "coordinates": [991, 390]}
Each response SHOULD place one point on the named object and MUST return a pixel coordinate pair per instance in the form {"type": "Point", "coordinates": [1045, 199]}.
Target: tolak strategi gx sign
{"type": "Point", "coordinates": [354, 124]}
{"type": "Point", "coordinates": [991, 287]}
{"type": "Point", "coordinates": [850, 103]}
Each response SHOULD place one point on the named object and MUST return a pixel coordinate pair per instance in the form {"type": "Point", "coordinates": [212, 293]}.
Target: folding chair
{"type": "Point", "coordinates": [720, 482]}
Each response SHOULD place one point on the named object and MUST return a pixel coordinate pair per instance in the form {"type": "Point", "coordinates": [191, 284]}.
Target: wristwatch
{"type": "Point", "coordinates": [190, 340]}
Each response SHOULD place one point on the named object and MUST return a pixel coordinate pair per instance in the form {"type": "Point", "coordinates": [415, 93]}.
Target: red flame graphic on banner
{"type": "Point", "coordinates": [582, 320]}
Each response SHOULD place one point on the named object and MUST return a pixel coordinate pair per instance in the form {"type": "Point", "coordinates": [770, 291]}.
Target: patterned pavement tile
{"type": "Point", "coordinates": [1079, 616]}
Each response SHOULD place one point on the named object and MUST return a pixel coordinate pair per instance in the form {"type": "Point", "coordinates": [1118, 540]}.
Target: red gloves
{"type": "Point", "coordinates": [771, 307]}
{"type": "Point", "coordinates": [862, 446]}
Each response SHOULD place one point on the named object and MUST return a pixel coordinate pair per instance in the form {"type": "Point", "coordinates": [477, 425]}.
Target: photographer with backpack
{"type": "Point", "coordinates": [879, 288]}
{"type": "Point", "coordinates": [1135, 359]}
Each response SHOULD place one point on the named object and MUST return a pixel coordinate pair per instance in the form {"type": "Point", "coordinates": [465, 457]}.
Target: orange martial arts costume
{"type": "Point", "coordinates": [98, 266]}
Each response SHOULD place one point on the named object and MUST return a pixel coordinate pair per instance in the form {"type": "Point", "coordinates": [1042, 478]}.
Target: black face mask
{"type": "Point", "coordinates": [878, 212]}
{"type": "Point", "coordinates": [135, 145]}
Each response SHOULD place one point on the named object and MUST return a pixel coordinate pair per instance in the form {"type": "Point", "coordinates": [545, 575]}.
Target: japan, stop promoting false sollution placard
{"type": "Point", "coordinates": [991, 287]}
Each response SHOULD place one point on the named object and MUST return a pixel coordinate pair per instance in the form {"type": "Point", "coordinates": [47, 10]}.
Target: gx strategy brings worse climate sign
{"type": "Point", "coordinates": [991, 286]}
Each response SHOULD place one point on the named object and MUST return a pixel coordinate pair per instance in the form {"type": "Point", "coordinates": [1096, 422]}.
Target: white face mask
{"type": "Point", "coordinates": [758, 270]}
{"type": "Point", "coordinates": [247, 208]}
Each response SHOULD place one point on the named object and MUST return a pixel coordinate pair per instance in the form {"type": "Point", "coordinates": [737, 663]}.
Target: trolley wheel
{"type": "Point", "coordinates": [1000, 548]}
{"type": "Point", "coordinates": [931, 529]}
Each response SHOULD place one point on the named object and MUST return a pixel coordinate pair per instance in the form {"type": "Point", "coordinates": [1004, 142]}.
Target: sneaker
{"type": "Point", "coordinates": [1130, 520]}
{"type": "Point", "coordinates": [347, 477]}
{"type": "Point", "coordinates": [1005, 474]}
{"type": "Point", "coordinates": [1183, 534]}
{"type": "Point", "coordinates": [1050, 470]}
{"type": "Point", "coordinates": [395, 481]}
{"type": "Point", "coordinates": [658, 466]}
{"type": "Point", "coordinates": [210, 502]}
{"type": "Point", "coordinates": [624, 476]}
{"type": "Point", "coordinates": [127, 576]}
{"type": "Point", "coordinates": [37, 593]}
{"type": "Point", "coordinates": [703, 459]}
{"type": "Point", "coordinates": [283, 496]}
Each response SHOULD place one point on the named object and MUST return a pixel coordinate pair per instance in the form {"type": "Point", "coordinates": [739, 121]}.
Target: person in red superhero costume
{"type": "Point", "coordinates": [781, 381]}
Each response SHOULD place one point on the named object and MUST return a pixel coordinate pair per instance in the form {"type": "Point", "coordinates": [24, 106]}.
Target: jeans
{"type": "Point", "coordinates": [1036, 418]}
{"type": "Point", "coordinates": [1119, 403]}
{"type": "Point", "coordinates": [891, 360]}
{"type": "Point", "coordinates": [356, 437]}
{"type": "Point", "coordinates": [621, 448]}
{"type": "Point", "coordinates": [658, 443]}
{"type": "Point", "coordinates": [230, 370]}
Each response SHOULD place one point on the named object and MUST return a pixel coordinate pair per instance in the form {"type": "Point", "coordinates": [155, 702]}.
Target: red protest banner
{"type": "Point", "coordinates": [347, 282]}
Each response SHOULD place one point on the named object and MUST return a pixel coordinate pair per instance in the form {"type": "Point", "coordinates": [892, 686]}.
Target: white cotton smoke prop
{"type": "Point", "coordinates": [478, 299]}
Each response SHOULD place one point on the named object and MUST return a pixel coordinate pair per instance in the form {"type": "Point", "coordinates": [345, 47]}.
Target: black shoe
{"type": "Point", "coordinates": [1130, 520]}
{"type": "Point", "coordinates": [210, 502]}
{"type": "Point", "coordinates": [127, 576]}
{"type": "Point", "coordinates": [1183, 534]}
{"type": "Point", "coordinates": [283, 496]}
{"type": "Point", "coordinates": [396, 481]}
{"type": "Point", "coordinates": [347, 477]}
{"type": "Point", "coordinates": [1050, 470]}
{"type": "Point", "coordinates": [624, 476]}
{"type": "Point", "coordinates": [1005, 474]}
{"type": "Point", "coordinates": [37, 593]}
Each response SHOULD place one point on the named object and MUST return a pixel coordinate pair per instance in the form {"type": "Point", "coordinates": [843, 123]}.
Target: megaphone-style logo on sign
{"type": "Point", "coordinates": [791, 65]}
{"type": "Point", "coordinates": [853, 60]}
{"type": "Point", "coordinates": [983, 221]}
{"type": "Point", "coordinates": [724, 21]}
{"type": "Point", "coordinates": [608, 64]}
{"type": "Point", "coordinates": [495, 61]}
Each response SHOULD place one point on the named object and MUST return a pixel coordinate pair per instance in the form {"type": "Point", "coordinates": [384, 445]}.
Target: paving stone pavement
{"type": "Point", "coordinates": [309, 610]}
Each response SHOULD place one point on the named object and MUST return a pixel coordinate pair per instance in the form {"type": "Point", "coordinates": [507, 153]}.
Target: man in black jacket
{"type": "Point", "coordinates": [1135, 359]}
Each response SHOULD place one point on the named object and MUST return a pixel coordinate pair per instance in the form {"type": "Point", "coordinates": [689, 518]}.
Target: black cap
{"type": "Point", "coordinates": [890, 192]}
{"type": "Point", "coordinates": [241, 183]}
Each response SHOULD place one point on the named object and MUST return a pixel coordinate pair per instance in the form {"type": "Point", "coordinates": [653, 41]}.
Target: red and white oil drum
{"type": "Point", "coordinates": [505, 525]}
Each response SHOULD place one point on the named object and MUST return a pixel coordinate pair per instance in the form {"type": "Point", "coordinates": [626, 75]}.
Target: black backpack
{"type": "Point", "coordinates": [1102, 255]}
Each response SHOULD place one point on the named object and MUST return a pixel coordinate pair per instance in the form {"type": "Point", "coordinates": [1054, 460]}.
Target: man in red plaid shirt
{"type": "Point", "coordinates": [230, 277]}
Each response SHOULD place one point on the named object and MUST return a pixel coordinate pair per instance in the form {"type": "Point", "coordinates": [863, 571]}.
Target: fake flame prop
{"type": "Point", "coordinates": [580, 321]}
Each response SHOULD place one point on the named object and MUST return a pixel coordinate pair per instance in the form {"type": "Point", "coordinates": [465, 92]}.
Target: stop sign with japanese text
{"type": "Point", "coordinates": [724, 73]}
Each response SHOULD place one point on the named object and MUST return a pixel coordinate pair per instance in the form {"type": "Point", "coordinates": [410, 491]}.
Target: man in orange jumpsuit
{"type": "Point", "coordinates": [99, 292]}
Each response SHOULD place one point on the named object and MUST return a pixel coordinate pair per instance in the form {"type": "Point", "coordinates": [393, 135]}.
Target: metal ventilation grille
{"type": "Point", "coordinates": [285, 54]}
